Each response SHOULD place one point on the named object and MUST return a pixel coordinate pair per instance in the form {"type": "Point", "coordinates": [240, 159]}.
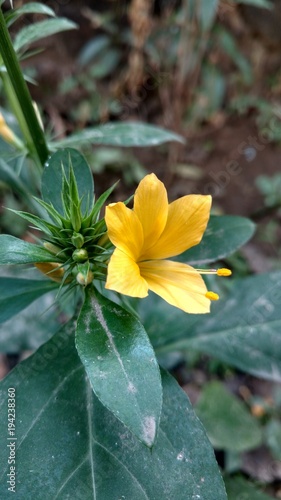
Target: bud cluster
{"type": "Point", "coordinates": [76, 239]}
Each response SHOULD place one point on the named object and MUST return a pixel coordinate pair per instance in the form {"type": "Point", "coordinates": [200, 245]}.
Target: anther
{"type": "Point", "coordinates": [224, 272]}
{"type": "Point", "coordinates": [212, 296]}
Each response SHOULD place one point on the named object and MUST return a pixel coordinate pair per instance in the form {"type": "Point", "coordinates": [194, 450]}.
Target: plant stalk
{"type": "Point", "coordinates": [30, 126]}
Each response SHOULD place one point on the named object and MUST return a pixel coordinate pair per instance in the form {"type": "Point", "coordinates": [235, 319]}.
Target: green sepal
{"type": "Point", "coordinates": [94, 214]}
{"type": "Point", "coordinates": [77, 239]}
{"type": "Point", "coordinates": [44, 226]}
{"type": "Point", "coordinates": [53, 213]}
{"type": "Point", "coordinates": [73, 189]}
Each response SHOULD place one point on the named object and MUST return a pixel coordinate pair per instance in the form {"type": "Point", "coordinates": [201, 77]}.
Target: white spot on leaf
{"type": "Point", "coordinates": [181, 456]}
{"type": "Point", "coordinates": [131, 388]}
{"type": "Point", "coordinates": [149, 429]}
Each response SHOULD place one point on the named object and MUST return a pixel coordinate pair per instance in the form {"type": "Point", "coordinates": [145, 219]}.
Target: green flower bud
{"type": "Point", "coordinates": [77, 240]}
{"type": "Point", "coordinates": [84, 276]}
{"type": "Point", "coordinates": [80, 255]}
{"type": "Point", "coordinates": [85, 280]}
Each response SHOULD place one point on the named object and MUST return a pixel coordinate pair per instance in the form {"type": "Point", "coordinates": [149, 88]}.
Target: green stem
{"type": "Point", "coordinates": [24, 109]}
{"type": "Point", "coordinates": [16, 109]}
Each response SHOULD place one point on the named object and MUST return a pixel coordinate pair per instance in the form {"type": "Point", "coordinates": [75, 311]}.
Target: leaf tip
{"type": "Point", "coordinates": [149, 431]}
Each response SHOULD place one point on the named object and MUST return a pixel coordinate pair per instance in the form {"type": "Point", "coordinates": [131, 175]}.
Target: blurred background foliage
{"type": "Point", "coordinates": [208, 70]}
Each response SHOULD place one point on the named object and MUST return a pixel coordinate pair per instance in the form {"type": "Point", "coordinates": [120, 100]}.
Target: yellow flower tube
{"type": "Point", "coordinates": [8, 135]}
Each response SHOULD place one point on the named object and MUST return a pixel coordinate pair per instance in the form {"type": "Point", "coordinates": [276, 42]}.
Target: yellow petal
{"type": "Point", "coordinates": [151, 207]}
{"type": "Point", "coordinates": [187, 220]}
{"type": "Point", "coordinates": [123, 276]}
{"type": "Point", "coordinates": [124, 229]}
{"type": "Point", "coordinates": [180, 285]}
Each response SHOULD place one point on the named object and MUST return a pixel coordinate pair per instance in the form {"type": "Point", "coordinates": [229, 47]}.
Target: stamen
{"type": "Point", "coordinates": [224, 272]}
{"type": "Point", "coordinates": [219, 272]}
{"type": "Point", "coordinates": [206, 271]}
{"type": "Point", "coordinates": [212, 296]}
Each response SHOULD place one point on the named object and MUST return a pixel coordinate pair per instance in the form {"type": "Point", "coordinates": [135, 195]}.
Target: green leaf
{"type": "Point", "coordinates": [119, 134]}
{"type": "Point", "coordinates": [119, 359]}
{"type": "Point", "coordinates": [238, 487]}
{"type": "Point", "coordinates": [87, 450]}
{"type": "Point", "coordinates": [16, 251]}
{"type": "Point", "coordinates": [52, 179]}
{"type": "Point", "coordinates": [242, 330]}
{"type": "Point", "coordinates": [16, 294]}
{"type": "Point", "coordinates": [29, 8]}
{"type": "Point", "coordinates": [224, 235]}
{"type": "Point", "coordinates": [31, 327]}
{"type": "Point", "coordinates": [229, 424]}
{"type": "Point", "coordinates": [36, 31]}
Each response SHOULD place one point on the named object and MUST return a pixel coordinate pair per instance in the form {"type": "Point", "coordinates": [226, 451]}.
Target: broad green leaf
{"type": "Point", "coordinates": [37, 31]}
{"type": "Point", "coordinates": [16, 251]}
{"type": "Point", "coordinates": [52, 178]}
{"type": "Point", "coordinates": [29, 8]}
{"type": "Point", "coordinates": [16, 294]}
{"type": "Point", "coordinates": [243, 330]}
{"type": "Point", "coordinates": [240, 488]}
{"type": "Point", "coordinates": [119, 134]}
{"type": "Point", "coordinates": [228, 422]}
{"type": "Point", "coordinates": [224, 235]}
{"type": "Point", "coordinates": [89, 453]}
{"type": "Point", "coordinates": [119, 359]}
{"type": "Point", "coordinates": [31, 327]}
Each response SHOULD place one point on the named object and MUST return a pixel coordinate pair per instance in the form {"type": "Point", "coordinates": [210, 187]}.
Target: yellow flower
{"type": "Point", "coordinates": [151, 233]}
